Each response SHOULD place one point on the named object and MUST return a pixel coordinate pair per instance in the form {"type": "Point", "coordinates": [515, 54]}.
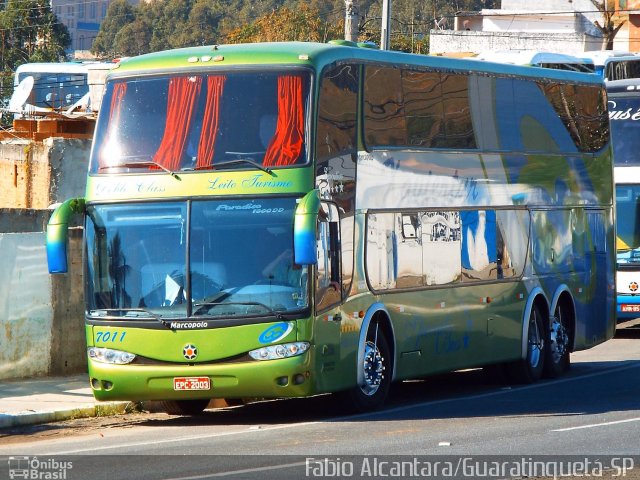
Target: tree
{"type": "Point", "coordinates": [609, 27]}
{"type": "Point", "coordinates": [169, 24]}
{"type": "Point", "coordinates": [30, 32]}
{"type": "Point", "coordinates": [133, 39]}
{"type": "Point", "coordinates": [284, 24]}
{"type": "Point", "coordinates": [202, 26]}
{"type": "Point", "coordinates": [119, 14]}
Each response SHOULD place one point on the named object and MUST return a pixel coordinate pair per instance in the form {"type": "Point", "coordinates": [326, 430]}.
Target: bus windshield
{"type": "Point", "coordinates": [214, 258]}
{"type": "Point", "coordinates": [625, 130]}
{"type": "Point", "coordinates": [628, 223]}
{"type": "Point", "coordinates": [55, 89]}
{"type": "Point", "coordinates": [202, 121]}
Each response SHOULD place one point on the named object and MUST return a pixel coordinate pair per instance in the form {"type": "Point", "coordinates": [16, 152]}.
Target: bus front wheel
{"type": "Point", "coordinates": [376, 370]}
{"type": "Point", "coordinates": [184, 407]}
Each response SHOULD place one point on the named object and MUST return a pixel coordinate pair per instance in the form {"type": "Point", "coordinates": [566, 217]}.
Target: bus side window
{"type": "Point", "coordinates": [328, 281]}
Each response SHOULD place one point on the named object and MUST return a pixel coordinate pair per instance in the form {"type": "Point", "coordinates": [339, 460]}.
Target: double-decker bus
{"type": "Point", "coordinates": [622, 80]}
{"type": "Point", "coordinates": [291, 219]}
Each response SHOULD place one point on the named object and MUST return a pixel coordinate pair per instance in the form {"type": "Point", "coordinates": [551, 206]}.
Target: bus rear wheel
{"type": "Point", "coordinates": [184, 407]}
{"type": "Point", "coordinates": [375, 372]}
{"type": "Point", "coordinates": [557, 359]}
{"type": "Point", "coordinates": [530, 369]}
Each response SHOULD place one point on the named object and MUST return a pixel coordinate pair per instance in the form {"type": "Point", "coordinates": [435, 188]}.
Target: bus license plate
{"type": "Point", "coordinates": [629, 308]}
{"type": "Point", "coordinates": [191, 383]}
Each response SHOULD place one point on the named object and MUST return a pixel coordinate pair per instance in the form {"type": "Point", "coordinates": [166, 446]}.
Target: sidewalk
{"type": "Point", "coordinates": [51, 399]}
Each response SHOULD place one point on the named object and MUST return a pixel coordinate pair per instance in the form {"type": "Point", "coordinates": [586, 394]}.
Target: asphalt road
{"type": "Point", "coordinates": [590, 415]}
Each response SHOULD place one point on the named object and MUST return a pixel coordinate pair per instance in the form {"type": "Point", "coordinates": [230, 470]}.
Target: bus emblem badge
{"type": "Point", "coordinates": [190, 352]}
{"type": "Point", "coordinates": [633, 286]}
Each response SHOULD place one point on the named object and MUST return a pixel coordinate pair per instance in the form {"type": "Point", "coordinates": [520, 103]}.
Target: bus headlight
{"type": "Point", "coordinates": [107, 355]}
{"type": "Point", "coordinates": [285, 350]}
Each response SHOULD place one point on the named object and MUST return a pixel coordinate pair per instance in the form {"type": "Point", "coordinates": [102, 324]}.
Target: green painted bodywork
{"type": "Point", "coordinates": [193, 184]}
{"type": "Point", "coordinates": [222, 356]}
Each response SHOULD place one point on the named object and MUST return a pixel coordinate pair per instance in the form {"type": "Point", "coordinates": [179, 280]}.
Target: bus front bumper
{"type": "Point", "coordinates": [628, 307]}
{"type": "Point", "coordinates": [287, 377]}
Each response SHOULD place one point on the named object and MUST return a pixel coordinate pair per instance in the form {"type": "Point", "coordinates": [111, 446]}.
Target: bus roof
{"type": "Point", "coordinates": [601, 57]}
{"type": "Point", "coordinates": [62, 67]}
{"type": "Point", "coordinates": [539, 58]}
{"type": "Point", "coordinates": [527, 57]}
{"type": "Point", "coordinates": [59, 67]}
{"type": "Point", "coordinates": [316, 54]}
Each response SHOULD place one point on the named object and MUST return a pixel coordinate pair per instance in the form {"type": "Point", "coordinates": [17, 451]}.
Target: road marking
{"type": "Point", "coordinates": [240, 472]}
{"type": "Point", "coordinates": [345, 418]}
{"type": "Point", "coordinates": [182, 439]}
{"type": "Point", "coordinates": [594, 425]}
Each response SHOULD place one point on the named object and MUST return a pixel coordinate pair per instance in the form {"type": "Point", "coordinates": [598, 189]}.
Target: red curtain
{"type": "Point", "coordinates": [286, 145]}
{"type": "Point", "coordinates": [210, 121]}
{"type": "Point", "coordinates": [119, 91]}
{"type": "Point", "coordinates": [183, 92]}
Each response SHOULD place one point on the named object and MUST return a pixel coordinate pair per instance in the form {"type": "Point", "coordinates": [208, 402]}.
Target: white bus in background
{"type": "Point", "coordinates": [45, 87]}
{"type": "Point", "coordinates": [622, 81]}
{"type": "Point", "coordinates": [538, 58]}
{"type": "Point", "coordinates": [601, 57]}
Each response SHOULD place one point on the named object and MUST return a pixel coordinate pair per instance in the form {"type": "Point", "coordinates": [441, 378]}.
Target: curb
{"type": "Point", "coordinates": [101, 410]}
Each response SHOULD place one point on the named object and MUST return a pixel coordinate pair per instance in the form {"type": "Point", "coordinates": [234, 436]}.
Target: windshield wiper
{"type": "Point", "coordinates": [248, 161]}
{"type": "Point", "coordinates": [146, 163]}
{"type": "Point", "coordinates": [277, 314]}
{"type": "Point", "coordinates": [127, 311]}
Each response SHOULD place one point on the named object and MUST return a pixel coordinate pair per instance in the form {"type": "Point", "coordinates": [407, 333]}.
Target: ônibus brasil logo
{"type": "Point", "coordinates": [32, 467]}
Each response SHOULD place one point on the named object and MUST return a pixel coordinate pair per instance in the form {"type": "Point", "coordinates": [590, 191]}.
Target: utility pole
{"type": "Point", "coordinates": [352, 13]}
{"type": "Point", "coordinates": [386, 25]}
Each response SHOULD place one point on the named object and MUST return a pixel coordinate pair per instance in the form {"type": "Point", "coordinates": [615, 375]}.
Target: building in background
{"type": "Point", "coordinates": [82, 18]}
{"type": "Point", "coordinates": [563, 26]}
{"type": "Point", "coordinates": [628, 37]}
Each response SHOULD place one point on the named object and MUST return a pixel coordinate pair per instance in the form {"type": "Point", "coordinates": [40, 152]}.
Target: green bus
{"type": "Point", "coordinates": [291, 219]}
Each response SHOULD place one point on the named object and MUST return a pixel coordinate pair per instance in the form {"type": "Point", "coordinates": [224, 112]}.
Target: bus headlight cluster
{"type": "Point", "coordinates": [107, 355]}
{"type": "Point", "coordinates": [285, 350]}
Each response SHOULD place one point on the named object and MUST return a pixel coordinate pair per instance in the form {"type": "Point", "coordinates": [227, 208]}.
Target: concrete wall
{"type": "Point", "coordinates": [540, 23]}
{"type": "Point", "coordinates": [549, 5]}
{"type": "Point", "coordinates": [448, 41]}
{"type": "Point", "coordinates": [41, 316]}
{"type": "Point", "coordinates": [37, 174]}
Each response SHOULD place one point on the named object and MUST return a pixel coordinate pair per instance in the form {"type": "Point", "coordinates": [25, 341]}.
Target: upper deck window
{"type": "Point", "coordinates": [203, 121]}
{"type": "Point", "coordinates": [406, 108]}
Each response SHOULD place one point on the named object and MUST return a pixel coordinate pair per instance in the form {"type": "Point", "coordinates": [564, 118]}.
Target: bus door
{"type": "Point", "coordinates": [328, 294]}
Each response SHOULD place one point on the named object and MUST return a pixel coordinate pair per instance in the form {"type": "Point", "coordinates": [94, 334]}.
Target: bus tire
{"type": "Point", "coordinates": [530, 369]}
{"type": "Point", "coordinates": [184, 407]}
{"type": "Point", "coordinates": [377, 370]}
{"type": "Point", "coordinates": [557, 354]}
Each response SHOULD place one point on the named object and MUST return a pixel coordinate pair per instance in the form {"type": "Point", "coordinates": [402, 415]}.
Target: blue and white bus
{"type": "Point", "coordinates": [622, 80]}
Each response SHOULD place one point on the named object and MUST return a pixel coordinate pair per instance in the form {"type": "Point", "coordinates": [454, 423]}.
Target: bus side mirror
{"type": "Point", "coordinates": [304, 229]}
{"type": "Point", "coordinates": [57, 234]}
